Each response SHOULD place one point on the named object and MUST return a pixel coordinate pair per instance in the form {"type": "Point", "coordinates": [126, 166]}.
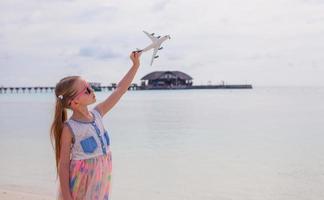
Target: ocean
{"type": "Point", "coordinates": [209, 144]}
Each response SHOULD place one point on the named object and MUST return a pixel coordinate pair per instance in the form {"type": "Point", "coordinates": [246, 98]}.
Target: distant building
{"type": "Point", "coordinates": [166, 79]}
{"type": "Point", "coordinates": [95, 86]}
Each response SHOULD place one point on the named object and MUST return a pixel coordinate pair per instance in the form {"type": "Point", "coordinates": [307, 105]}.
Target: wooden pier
{"type": "Point", "coordinates": [133, 86]}
{"type": "Point", "coordinates": [200, 87]}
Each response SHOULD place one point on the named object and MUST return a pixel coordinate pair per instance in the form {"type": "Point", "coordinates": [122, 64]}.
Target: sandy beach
{"type": "Point", "coordinates": [18, 195]}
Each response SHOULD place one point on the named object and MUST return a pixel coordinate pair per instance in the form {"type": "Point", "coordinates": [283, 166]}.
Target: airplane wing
{"type": "Point", "coordinates": [150, 36]}
{"type": "Point", "coordinates": [154, 54]}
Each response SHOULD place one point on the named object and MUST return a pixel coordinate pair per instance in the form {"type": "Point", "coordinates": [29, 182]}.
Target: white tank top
{"type": "Point", "coordinates": [90, 139]}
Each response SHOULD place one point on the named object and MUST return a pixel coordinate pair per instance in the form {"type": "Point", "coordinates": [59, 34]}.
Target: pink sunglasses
{"type": "Point", "coordinates": [86, 90]}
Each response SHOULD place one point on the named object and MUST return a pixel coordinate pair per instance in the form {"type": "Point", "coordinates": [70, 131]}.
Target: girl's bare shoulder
{"type": "Point", "coordinates": [67, 134]}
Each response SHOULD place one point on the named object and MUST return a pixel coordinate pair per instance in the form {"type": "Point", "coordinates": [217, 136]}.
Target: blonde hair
{"type": "Point", "coordinates": [64, 92]}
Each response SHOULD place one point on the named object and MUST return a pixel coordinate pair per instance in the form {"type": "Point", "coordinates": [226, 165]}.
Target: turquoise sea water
{"type": "Point", "coordinates": [264, 143]}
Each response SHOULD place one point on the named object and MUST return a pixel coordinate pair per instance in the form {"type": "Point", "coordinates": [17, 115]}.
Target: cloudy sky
{"type": "Point", "coordinates": [262, 42]}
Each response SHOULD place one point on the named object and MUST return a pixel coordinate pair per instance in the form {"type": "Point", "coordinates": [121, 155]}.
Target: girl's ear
{"type": "Point", "coordinates": [74, 104]}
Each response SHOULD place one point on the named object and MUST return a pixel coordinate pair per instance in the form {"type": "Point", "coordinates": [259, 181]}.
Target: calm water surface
{"type": "Point", "coordinates": [264, 143]}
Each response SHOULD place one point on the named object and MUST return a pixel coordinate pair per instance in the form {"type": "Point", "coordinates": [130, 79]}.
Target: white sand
{"type": "Point", "coordinates": [18, 195]}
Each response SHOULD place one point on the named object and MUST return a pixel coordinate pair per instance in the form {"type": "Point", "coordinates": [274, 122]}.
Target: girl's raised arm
{"type": "Point", "coordinates": [122, 86]}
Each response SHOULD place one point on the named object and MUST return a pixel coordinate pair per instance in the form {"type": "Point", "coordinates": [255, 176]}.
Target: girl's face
{"type": "Point", "coordinates": [85, 94]}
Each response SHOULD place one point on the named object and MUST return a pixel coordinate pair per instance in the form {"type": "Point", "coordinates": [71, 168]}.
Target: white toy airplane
{"type": "Point", "coordinates": [156, 43]}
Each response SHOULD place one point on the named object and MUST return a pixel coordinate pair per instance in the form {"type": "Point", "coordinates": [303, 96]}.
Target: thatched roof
{"type": "Point", "coordinates": [157, 74]}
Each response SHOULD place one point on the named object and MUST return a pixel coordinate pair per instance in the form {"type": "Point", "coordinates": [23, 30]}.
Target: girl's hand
{"type": "Point", "coordinates": [135, 55]}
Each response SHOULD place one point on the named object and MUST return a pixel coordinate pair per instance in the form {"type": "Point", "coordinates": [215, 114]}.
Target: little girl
{"type": "Point", "coordinates": [82, 144]}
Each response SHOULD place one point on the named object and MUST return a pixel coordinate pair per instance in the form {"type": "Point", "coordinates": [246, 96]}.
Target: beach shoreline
{"type": "Point", "coordinates": [12, 194]}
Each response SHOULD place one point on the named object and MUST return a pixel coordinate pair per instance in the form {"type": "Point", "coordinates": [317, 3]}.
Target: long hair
{"type": "Point", "coordinates": [64, 91]}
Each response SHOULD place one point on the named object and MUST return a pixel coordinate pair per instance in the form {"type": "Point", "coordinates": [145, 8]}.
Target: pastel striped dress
{"type": "Point", "coordinates": [91, 160]}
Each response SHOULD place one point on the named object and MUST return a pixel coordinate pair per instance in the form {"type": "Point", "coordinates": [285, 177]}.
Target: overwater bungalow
{"type": "Point", "coordinates": [165, 80]}
{"type": "Point", "coordinates": [96, 86]}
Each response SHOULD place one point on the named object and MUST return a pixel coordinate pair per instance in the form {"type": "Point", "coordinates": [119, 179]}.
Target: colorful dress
{"type": "Point", "coordinates": [91, 160]}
